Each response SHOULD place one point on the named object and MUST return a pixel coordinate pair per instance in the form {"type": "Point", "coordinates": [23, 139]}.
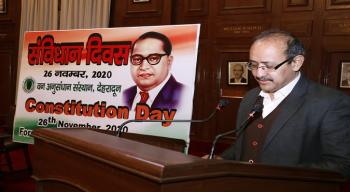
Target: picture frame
{"type": "Point", "coordinates": [344, 81]}
{"type": "Point", "coordinates": [237, 73]}
{"type": "Point", "coordinates": [141, 1]}
{"type": "Point", "coordinates": [2, 6]}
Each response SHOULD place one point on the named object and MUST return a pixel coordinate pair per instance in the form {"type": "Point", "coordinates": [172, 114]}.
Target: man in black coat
{"type": "Point", "coordinates": [302, 123]}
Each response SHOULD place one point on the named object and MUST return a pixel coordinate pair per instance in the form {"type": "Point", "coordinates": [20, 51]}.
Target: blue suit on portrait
{"type": "Point", "coordinates": [169, 96]}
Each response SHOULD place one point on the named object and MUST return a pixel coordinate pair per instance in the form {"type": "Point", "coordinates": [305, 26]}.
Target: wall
{"type": "Point", "coordinates": [9, 35]}
{"type": "Point", "coordinates": [227, 27]}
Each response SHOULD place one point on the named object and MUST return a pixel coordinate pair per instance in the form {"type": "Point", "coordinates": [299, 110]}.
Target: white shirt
{"type": "Point", "coordinates": [152, 94]}
{"type": "Point", "coordinates": [279, 96]}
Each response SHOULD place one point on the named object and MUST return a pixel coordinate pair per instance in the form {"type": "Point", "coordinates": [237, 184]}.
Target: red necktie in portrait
{"type": "Point", "coordinates": [144, 97]}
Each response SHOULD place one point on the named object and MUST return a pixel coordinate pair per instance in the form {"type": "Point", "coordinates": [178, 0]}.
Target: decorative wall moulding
{"type": "Point", "coordinates": [141, 1]}
{"type": "Point", "coordinates": [237, 7]}
{"type": "Point", "coordinates": [337, 27]}
{"type": "Point", "coordinates": [230, 29]}
{"type": "Point", "coordinates": [337, 4]}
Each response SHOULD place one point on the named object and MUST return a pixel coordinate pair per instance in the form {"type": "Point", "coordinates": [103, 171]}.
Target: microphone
{"type": "Point", "coordinates": [222, 103]}
{"type": "Point", "coordinates": [257, 109]}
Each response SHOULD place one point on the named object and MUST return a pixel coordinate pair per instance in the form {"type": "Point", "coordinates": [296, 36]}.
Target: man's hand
{"type": "Point", "coordinates": [215, 157]}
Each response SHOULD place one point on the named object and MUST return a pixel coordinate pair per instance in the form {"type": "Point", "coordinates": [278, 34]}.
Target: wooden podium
{"type": "Point", "coordinates": [84, 160]}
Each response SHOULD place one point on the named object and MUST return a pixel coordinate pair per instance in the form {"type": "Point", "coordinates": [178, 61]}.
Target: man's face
{"type": "Point", "coordinates": [270, 52]}
{"type": "Point", "coordinates": [237, 71]}
{"type": "Point", "coordinates": [145, 75]}
{"type": "Point", "coordinates": [347, 72]}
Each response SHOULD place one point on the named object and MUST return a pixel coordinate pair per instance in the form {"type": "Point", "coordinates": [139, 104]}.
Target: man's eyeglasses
{"type": "Point", "coordinates": [253, 66]}
{"type": "Point", "coordinates": [152, 59]}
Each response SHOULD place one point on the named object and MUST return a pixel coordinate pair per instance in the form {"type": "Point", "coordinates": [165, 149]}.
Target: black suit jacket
{"type": "Point", "coordinates": [312, 130]}
{"type": "Point", "coordinates": [168, 97]}
{"type": "Point", "coordinates": [243, 80]}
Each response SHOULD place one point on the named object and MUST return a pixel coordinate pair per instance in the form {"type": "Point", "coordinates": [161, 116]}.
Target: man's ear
{"type": "Point", "coordinates": [170, 60]}
{"type": "Point", "coordinates": [297, 62]}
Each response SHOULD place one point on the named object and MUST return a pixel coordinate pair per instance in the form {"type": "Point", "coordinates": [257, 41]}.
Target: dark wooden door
{"type": "Point", "coordinates": [9, 35]}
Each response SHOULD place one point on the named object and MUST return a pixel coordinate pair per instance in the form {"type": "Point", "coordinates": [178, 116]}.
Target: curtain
{"type": "Point", "coordinates": [84, 14]}
{"type": "Point", "coordinates": [36, 15]}
{"type": "Point", "coordinates": [41, 15]}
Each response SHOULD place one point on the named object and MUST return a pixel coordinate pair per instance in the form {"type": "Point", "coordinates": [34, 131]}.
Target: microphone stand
{"type": "Point", "coordinates": [216, 139]}
{"type": "Point", "coordinates": [221, 104]}
{"type": "Point", "coordinates": [256, 109]}
{"type": "Point", "coordinates": [239, 131]}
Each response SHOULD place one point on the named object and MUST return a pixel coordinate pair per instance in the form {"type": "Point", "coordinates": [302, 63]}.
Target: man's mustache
{"type": "Point", "coordinates": [263, 79]}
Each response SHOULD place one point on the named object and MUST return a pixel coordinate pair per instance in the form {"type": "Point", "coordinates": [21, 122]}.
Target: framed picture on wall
{"type": "Point", "coordinates": [140, 1]}
{"type": "Point", "coordinates": [345, 75]}
{"type": "Point", "coordinates": [237, 73]}
{"type": "Point", "coordinates": [2, 6]}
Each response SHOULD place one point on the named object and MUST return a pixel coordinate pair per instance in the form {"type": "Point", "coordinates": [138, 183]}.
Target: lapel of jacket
{"type": "Point", "coordinates": [131, 96]}
{"type": "Point", "coordinates": [162, 98]}
{"type": "Point", "coordinates": [242, 116]}
{"type": "Point", "coordinates": [290, 106]}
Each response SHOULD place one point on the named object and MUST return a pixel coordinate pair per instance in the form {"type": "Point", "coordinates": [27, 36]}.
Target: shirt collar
{"type": "Point", "coordinates": [154, 92]}
{"type": "Point", "coordinates": [284, 91]}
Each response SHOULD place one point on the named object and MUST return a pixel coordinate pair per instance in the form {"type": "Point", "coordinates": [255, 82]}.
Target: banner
{"type": "Point", "coordinates": [97, 79]}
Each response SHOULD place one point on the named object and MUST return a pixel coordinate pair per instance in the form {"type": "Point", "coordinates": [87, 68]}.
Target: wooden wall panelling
{"type": "Point", "coordinates": [130, 13]}
{"type": "Point", "coordinates": [300, 28]}
{"type": "Point", "coordinates": [334, 27]}
{"type": "Point", "coordinates": [298, 5]}
{"type": "Point", "coordinates": [303, 19]}
{"type": "Point", "coordinates": [226, 121]}
{"type": "Point", "coordinates": [303, 29]}
{"type": "Point", "coordinates": [233, 24]}
{"type": "Point", "coordinates": [300, 18]}
{"type": "Point", "coordinates": [244, 6]}
{"type": "Point", "coordinates": [334, 63]}
{"type": "Point", "coordinates": [227, 28]}
{"type": "Point", "coordinates": [196, 8]}
{"type": "Point", "coordinates": [335, 35]}
{"type": "Point", "coordinates": [231, 32]}
{"type": "Point", "coordinates": [7, 33]}
{"type": "Point", "coordinates": [6, 84]}
{"type": "Point", "coordinates": [204, 102]}
{"type": "Point", "coordinates": [312, 66]}
{"type": "Point", "coordinates": [205, 97]}
{"type": "Point", "coordinates": [335, 52]}
{"type": "Point", "coordinates": [227, 55]}
{"type": "Point", "coordinates": [12, 11]}
{"type": "Point", "coordinates": [192, 12]}
{"type": "Point", "coordinates": [206, 94]}
{"type": "Point", "coordinates": [9, 36]}
{"type": "Point", "coordinates": [236, 22]}
{"type": "Point", "coordinates": [337, 4]}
